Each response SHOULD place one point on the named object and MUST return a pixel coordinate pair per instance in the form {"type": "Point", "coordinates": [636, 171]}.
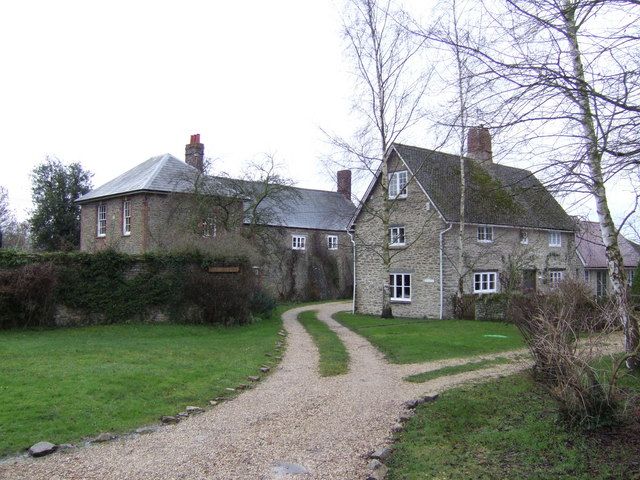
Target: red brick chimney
{"type": "Point", "coordinates": [344, 183]}
{"type": "Point", "coordinates": [479, 145]}
{"type": "Point", "coordinates": [194, 153]}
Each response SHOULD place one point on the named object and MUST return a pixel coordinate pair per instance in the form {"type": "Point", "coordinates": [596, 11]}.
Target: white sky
{"type": "Point", "coordinates": [110, 84]}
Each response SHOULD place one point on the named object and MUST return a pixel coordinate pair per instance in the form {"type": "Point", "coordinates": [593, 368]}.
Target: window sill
{"type": "Point", "coordinates": [397, 198]}
{"type": "Point", "coordinates": [399, 301]}
{"type": "Point", "coordinates": [101, 236]}
{"type": "Point", "coordinates": [484, 241]}
{"type": "Point", "coordinates": [555, 246]}
{"type": "Point", "coordinates": [484, 292]}
{"type": "Point", "coordinates": [398, 245]}
{"type": "Point", "coordinates": [126, 234]}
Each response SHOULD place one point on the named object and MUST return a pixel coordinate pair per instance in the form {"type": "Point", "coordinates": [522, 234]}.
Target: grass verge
{"type": "Point", "coordinates": [507, 429]}
{"type": "Point", "coordinates": [455, 369]}
{"type": "Point", "coordinates": [407, 340]}
{"type": "Point", "coordinates": [334, 358]}
{"type": "Point", "coordinates": [65, 384]}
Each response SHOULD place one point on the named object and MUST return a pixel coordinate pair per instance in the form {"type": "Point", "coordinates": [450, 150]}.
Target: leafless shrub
{"type": "Point", "coordinates": [28, 296]}
{"type": "Point", "coordinates": [564, 331]}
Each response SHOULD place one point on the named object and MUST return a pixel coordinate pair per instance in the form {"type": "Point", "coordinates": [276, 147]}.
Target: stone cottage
{"type": "Point", "coordinates": [516, 234]}
{"type": "Point", "coordinates": [300, 235]}
{"type": "Point", "coordinates": [591, 252]}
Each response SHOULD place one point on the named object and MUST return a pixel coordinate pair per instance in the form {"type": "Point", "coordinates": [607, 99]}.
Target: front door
{"type": "Point", "coordinates": [528, 281]}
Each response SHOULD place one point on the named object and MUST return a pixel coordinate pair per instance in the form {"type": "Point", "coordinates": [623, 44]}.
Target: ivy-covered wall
{"type": "Point", "coordinates": [107, 287]}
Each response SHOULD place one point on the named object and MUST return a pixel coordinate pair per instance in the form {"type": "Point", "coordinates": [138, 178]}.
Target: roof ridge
{"type": "Point", "coordinates": [156, 169]}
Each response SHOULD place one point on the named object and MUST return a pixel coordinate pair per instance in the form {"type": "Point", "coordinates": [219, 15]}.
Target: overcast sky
{"type": "Point", "coordinates": [110, 84]}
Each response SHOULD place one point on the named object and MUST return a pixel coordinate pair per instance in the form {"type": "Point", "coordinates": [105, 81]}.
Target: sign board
{"type": "Point", "coordinates": [224, 269]}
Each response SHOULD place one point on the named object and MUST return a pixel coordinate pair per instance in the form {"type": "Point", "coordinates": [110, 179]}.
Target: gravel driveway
{"type": "Point", "coordinates": [326, 426]}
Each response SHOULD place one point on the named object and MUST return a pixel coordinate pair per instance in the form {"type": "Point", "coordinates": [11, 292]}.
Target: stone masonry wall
{"type": "Point", "coordinates": [495, 256]}
{"type": "Point", "coordinates": [420, 257]}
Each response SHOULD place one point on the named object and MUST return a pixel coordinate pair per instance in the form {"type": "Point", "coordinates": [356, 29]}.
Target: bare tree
{"type": "Point", "coordinates": [569, 73]}
{"type": "Point", "coordinates": [389, 97]}
{"type": "Point", "coordinates": [5, 213]}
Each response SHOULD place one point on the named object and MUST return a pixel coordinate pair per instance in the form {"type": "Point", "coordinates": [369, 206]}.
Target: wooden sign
{"type": "Point", "coordinates": [224, 269]}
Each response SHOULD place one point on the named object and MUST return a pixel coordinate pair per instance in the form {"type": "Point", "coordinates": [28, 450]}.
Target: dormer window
{"type": "Point", "coordinates": [485, 234]}
{"type": "Point", "coordinates": [398, 184]}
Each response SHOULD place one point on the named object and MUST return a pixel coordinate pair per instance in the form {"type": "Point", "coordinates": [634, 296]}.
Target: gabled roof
{"type": "Point", "coordinates": [592, 251]}
{"type": "Point", "coordinates": [496, 194]}
{"type": "Point", "coordinates": [295, 207]}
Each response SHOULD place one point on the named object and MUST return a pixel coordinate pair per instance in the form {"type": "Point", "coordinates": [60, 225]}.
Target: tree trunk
{"type": "Point", "coordinates": [594, 161]}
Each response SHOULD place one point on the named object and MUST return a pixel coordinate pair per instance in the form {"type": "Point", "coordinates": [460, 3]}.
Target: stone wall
{"type": "Point", "coordinates": [315, 273]}
{"type": "Point", "coordinates": [506, 249]}
{"type": "Point", "coordinates": [420, 257]}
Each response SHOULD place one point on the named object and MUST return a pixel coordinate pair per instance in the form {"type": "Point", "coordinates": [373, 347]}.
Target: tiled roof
{"type": "Point", "coordinates": [295, 208]}
{"type": "Point", "coordinates": [496, 194]}
{"type": "Point", "coordinates": [592, 250]}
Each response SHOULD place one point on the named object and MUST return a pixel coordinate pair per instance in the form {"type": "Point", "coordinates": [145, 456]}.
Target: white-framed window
{"type": "Point", "coordinates": [601, 283]}
{"type": "Point", "coordinates": [332, 242]}
{"type": "Point", "coordinates": [524, 237]}
{"type": "Point", "coordinates": [485, 282]}
{"type": "Point", "coordinates": [485, 233]}
{"type": "Point", "coordinates": [398, 184]}
{"type": "Point", "coordinates": [400, 287]}
{"type": "Point", "coordinates": [126, 217]}
{"type": "Point", "coordinates": [208, 228]}
{"type": "Point", "coordinates": [630, 273]}
{"type": "Point", "coordinates": [396, 236]}
{"type": "Point", "coordinates": [555, 239]}
{"type": "Point", "coordinates": [555, 277]}
{"type": "Point", "coordinates": [102, 220]}
{"type": "Point", "coordinates": [586, 276]}
{"type": "Point", "coordinates": [298, 242]}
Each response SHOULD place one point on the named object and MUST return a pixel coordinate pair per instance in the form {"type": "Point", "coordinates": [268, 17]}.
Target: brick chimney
{"type": "Point", "coordinates": [479, 145]}
{"type": "Point", "coordinates": [194, 153]}
{"type": "Point", "coordinates": [344, 183]}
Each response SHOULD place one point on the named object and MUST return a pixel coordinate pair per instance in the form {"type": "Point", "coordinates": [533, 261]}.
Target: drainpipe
{"type": "Point", "coordinates": [442, 232]}
{"type": "Point", "coordinates": [353, 307]}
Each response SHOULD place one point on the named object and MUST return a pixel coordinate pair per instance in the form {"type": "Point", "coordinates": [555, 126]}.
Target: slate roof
{"type": "Point", "coordinates": [496, 194]}
{"type": "Point", "coordinates": [592, 251]}
{"type": "Point", "coordinates": [164, 173]}
{"type": "Point", "coordinates": [295, 208]}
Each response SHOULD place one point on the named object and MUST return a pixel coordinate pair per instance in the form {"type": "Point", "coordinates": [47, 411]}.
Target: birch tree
{"type": "Point", "coordinates": [569, 72]}
{"type": "Point", "coordinates": [388, 101]}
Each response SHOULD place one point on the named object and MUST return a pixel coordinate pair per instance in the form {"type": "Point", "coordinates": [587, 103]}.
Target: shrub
{"type": "Point", "coordinates": [464, 306]}
{"type": "Point", "coordinates": [27, 296]}
{"type": "Point", "coordinates": [552, 326]}
{"type": "Point", "coordinates": [262, 303]}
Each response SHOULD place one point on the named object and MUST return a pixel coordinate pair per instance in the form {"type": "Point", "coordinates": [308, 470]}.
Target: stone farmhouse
{"type": "Point", "coordinates": [300, 235]}
{"type": "Point", "coordinates": [515, 231]}
{"type": "Point", "coordinates": [593, 260]}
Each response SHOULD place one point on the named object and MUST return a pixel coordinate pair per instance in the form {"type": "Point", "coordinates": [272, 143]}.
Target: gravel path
{"type": "Point", "coordinates": [326, 425]}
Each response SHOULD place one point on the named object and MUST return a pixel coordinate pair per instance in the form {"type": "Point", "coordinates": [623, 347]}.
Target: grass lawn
{"type": "Point", "coordinates": [507, 429]}
{"type": "Point", "coordinates": [64, 384]}
{"type": "Point", "coordinates": [455, 369]}
{"type": "Point", "coordinates": [405, 340]}
{"type": "Point", "coordinates": [334, 359]}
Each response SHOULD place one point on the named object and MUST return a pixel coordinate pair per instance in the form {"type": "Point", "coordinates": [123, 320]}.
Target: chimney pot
{"type": "Point", "coordinates": [479, 145]}
{"type": "Point", "coordinates": [194, 153]}
{"type": "Point", "coordinates": [344, 183]}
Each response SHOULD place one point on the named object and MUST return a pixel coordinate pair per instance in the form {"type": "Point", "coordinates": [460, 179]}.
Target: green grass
{"type": "Point", "coordinates": [334, 359]}
{"type": "Point", "coordinates": [455, 369]}
{"type": "Point", "coordinates": [405, 340]}
{"type": "Point", "coordinates": [504, 429]}
{"type": "Point", "coordinates": [64, 384]}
